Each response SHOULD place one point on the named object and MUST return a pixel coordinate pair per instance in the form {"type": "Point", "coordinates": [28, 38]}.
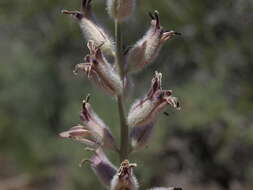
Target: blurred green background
{"type": "Point", "coordinates": [207, 145]}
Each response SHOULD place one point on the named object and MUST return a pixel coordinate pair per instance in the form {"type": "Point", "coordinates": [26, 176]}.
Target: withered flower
{"type": "Point", "coordinates": [91, 30]}
{"type": "Point", "coordinates": [147, 48]}
{"type": "Point", "coordinates": [120, 9]}
{"type": "Point", "coordinates": [124, 178]}
{"type": "Point", "coordinates": [100, 71]}
{"type": "Point", "coordinates": [102, 167]}
{"type": "Point", "coordinates": [93, 133]}
{"type": "Point", "coordinates": [145, 111]}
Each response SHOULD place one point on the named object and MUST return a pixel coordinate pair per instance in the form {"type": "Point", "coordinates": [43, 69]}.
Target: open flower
{"type": "Point", "coordinates": [90, 29]}
{"type": "Point", "coordinates": [144, 112]}
{"type": "Point", "coordinates": [147, 48]}
{"type": "Point", "coordinates": [93, 133]}
{"type": "Point", "coordinates": [124, 178]}
{"type": "Point", "coordinates": [120, 9]}
{"type": "Point", "coordinates": [93, 123]}
{"type": "Point", "coordinates": [100, 71]}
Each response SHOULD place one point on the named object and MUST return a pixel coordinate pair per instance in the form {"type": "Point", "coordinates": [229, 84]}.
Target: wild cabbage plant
{"type": "Point", "coordinates": [113, 78]}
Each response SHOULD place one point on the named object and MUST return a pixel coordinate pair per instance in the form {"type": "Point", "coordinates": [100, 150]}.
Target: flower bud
{"type": "Point", "coordinates": [120, 9]}
{"type": "Point", "coordinates": [90, 29]}
{"type": "Point", "coordinates": [100, 71]}
{"type": "Point", "coordinates": [102, 167]}
{"type": "Point", "coordinates": [94, 124]}
{"type": "Point", "coordinates": [124, 178]}
{"type": "Point", "coordinates": [147, 48]}
{"type": "Point", "coordinates": [144, 112]}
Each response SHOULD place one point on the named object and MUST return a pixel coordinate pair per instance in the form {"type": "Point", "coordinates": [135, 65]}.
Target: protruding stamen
{"type": "Point", "coordinates": [76, 14]}
{"type": "Point", "coordinates": [87, 98]}
{"type": "Point", "coordinates": [156, 13]}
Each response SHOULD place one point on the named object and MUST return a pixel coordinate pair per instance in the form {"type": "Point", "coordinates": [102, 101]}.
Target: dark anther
{"type": "Point", "coordinates": [94, 61]}
{"type": "Point", "coordinates": [178, 33]}
{"type": "Point", "coordinates": [166, 113]}
{"type": "Point", "coordinates": [178, 105]}
{"type": "Point", "coordinates": [168, 92]}
{"type": "Point", "coordinates": [151, 15]}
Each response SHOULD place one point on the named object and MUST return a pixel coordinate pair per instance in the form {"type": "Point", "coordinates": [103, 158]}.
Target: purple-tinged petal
{"type": "Point", "coordinates": [140, 135]}
{"type": "Point", "coordinates": [102, 167]}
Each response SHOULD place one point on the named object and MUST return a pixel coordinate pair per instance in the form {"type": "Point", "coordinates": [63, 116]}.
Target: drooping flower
{"type": "Point", "coordinates": [100, 71]}
{"type": "Point", "coordinates": [94, 133]}
{"type": "Point", "coordinates": [147, 48]}
{"type": "Point", "coordinates": [120, 9]}
{"type": "Point", "coordinates": [124, 178]}
{"type": "Point", "coordinates": [91, 30]}
{"type": "Point", "coordinates": [102, 167]}
{"type": "Point", "coordinates": [144, 112]}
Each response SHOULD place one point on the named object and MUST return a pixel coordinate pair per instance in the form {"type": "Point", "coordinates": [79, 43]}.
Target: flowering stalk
{"type": "Point", "coordinates": [114, 80]}
{"type": "Point", "coordinates": [124, 137]}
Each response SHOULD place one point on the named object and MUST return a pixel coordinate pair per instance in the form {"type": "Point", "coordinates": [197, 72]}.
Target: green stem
{"type": "Point", "coordinates": [124, 137]}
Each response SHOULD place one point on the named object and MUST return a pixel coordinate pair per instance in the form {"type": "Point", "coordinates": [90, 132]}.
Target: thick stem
{"type": "Point", "coordinates": [124, 137]}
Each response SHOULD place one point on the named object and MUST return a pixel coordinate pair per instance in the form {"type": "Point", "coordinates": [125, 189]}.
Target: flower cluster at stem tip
{"type": "Point", "coordinates": [141, 118]}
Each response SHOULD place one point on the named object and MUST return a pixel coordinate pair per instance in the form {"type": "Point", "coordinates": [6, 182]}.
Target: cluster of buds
{"type": "Point", "coordinates": [93, 132]}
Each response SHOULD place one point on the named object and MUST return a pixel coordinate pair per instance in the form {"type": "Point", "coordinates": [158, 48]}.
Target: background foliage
{"type": "Point", "coordinates": [208, 144]}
